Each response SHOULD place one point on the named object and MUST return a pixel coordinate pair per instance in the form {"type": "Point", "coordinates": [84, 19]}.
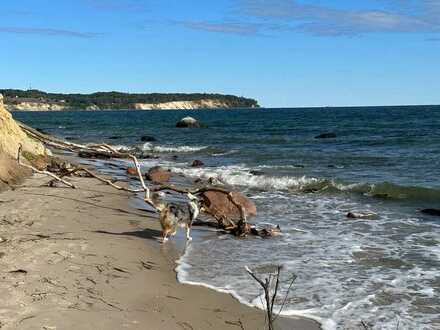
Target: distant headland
{"type": "Point", "coordinates": [36, 100]}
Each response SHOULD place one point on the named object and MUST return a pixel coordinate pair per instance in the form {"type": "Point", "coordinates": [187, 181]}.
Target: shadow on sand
{"type": "Point", "coordinates": [147, 233]}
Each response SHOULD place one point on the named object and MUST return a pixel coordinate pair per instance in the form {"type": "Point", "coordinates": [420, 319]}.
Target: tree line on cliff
{"type": "Point", "coordinates": [118, 100]}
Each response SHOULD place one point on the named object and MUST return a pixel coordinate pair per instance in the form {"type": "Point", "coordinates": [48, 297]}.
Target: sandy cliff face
{"type": "Point", "coordinates": [182, 105]}
{"type": "Point", "coordinates": [36, 106]}
{"type": "Point", "coordinates": [11, 136]}
{"type": "Point", "coordinates": [178, 105]}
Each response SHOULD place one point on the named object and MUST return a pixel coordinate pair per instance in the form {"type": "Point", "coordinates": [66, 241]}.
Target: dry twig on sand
{"type": "Point", "coordinates": [270, 287]}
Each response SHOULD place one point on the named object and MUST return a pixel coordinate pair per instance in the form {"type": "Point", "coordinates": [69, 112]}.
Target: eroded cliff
{"type": "Point", "coordinates": [11, 136]}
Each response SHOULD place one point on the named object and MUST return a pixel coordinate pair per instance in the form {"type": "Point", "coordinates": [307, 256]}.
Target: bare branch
{"type": "Point", "coordinates": [269, 296]}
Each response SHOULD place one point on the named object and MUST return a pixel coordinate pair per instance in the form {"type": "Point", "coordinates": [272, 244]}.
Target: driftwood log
{"type": "Point", "coordinates": [239, 228]}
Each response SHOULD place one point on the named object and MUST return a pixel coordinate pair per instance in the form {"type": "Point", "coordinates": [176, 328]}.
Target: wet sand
{"type": "Point", "coordinates": [87, 259]}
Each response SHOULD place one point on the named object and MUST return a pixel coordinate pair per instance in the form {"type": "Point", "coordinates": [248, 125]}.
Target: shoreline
{"type": "Point", "coordinates": [84, 272]}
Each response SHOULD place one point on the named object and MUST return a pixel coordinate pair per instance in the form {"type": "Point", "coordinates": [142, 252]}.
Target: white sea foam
{"type": "Point", "coordinates": [148, 146]}
{"type": "Point", "coordinates": [240, 176]}
{"type": "Point", "coordinates": [118, 147]}
{"type": "Point", "coordinates": [230, 152]}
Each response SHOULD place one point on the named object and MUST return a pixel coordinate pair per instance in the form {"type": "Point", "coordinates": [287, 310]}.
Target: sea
{"type": "Point", "coordinates": [383, 271]}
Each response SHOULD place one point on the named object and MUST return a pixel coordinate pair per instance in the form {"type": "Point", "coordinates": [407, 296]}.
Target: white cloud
{"type": "Point", "coordinates": [321, 20]}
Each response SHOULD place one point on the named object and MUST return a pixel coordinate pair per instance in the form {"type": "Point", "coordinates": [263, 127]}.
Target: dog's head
{"type": "Point", "coordinates": [157, 196]}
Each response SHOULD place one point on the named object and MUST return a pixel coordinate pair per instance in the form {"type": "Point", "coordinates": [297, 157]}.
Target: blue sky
{"type": "Point", "coordinates": [281, 52]}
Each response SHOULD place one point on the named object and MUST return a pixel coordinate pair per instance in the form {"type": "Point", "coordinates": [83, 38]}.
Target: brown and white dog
{"type": "Point", "coordinates": [174, 215]}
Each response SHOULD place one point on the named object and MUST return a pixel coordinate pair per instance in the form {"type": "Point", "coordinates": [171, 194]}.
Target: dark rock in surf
{"type": "Point", "coordinates": [310, 190]}
{"type": "Point", "coordinates": [214, 181]}
{"type": "Point", "coordinates": [329, 135]}
{"type": "Point", "coordinates": [158, 174]}
{"type": "Point", "coordinates": [197, 163]}
{"type": "Point", "coordinates": [188, 122]}
{"type": "Point", "coordinates": [256, 172]}
{"type": "Point", "coordinates": [115, 137]}
{"type": "Point", "coordinates": [147, 138]}
{"type": "Point", "coordinates": [361, 215]}
{"type": "Point", "coordinates": [435, 212]}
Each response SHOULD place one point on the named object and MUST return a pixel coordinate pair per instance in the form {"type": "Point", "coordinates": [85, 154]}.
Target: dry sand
{"type": "Point", "coordinates": [85, 259]}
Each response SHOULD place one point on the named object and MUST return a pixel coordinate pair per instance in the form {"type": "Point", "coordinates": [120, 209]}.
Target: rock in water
{"type": "Point", "coordinates": [147, 138]}
{"type": "Point", "coordinates": [361, 215]}
{"type": "Point", "coordinates": [256, 172]}
{"type": "Point", "coordinates": [197, 163]}
{"type": "Point", "coordinates": [431, 212]}
{"type": "Point", "coordinates": [158, 174]}
{"type": "Point", "coordinates": [326, 136]}
{"type": "Point", "coordinates": [188, 122]}
{"type": "Point", "coordinates": [219, 204]}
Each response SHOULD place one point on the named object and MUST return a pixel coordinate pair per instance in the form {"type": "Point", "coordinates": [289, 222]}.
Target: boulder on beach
{"type": "Point", "coordinates": [148, 138]}
{"type": "Point", "coordinates": [189, 122]}
{"type": "Point", "coordinates": [197, 163]}
{"type": "Point", "coordinates": [158, 174]}
{"type": "Point", "coordinates": [329, 135]}
{"type": "Point", "coordinates": [219, 204]}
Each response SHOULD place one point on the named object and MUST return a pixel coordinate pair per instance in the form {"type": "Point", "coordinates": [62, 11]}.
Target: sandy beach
{"type": "Point", "coordinates": [85, 259]}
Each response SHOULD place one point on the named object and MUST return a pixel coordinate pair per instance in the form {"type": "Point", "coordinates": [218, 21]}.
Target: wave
{"type": "Point", "coordinates": [165, 148]}
{"type": "Point", "coordinates": [230, 152]}
{"type": "Point", "coordinates": [242, 176]}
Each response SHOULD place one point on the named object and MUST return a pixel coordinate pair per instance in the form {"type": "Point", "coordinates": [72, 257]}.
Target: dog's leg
{"type": "Point", "coordinates": [188, 237]}
{"type": "Point", "coordinates": [164, 236]}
